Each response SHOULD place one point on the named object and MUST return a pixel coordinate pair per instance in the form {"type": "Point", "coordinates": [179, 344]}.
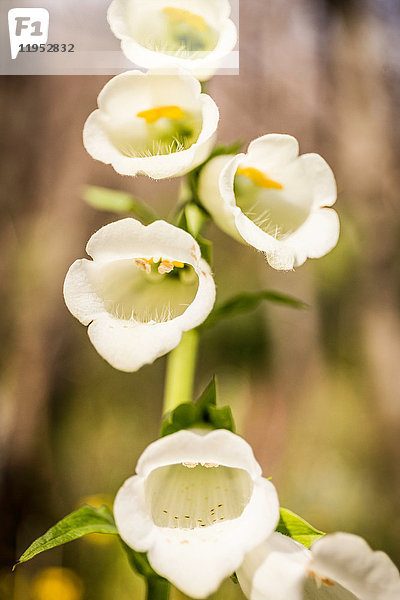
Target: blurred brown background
{"type": "Point", "coordinates": [317, 393]}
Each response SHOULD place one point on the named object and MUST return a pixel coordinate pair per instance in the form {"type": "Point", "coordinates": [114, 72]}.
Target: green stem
{"type": "Point", "coordinates": [180, 372]}
{"type": "Point", "coordinates": [157, 588]}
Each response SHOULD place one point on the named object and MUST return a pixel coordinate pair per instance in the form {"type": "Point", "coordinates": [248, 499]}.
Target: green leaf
{"type": "Point", "coordinates": [209, 396]}
{"type": "Point", "coordinates": [246, 302]}
{"type": "Point", "coordinates": [84, 521]}
{"type": "Point", "coordinates": [158, 588]}
{"type": "Point", "coordinates": [299, 530]}
{"type": "Point", "coordinates": [118, 202]}
{"type": "Point", "coordinates": [202, 413]}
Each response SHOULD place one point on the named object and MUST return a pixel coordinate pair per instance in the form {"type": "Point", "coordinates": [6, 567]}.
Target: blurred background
{"type": "Point", "coordinates": [317, 392]}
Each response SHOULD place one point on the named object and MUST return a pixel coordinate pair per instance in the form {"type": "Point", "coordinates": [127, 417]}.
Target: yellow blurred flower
{"type": "Point", "coordinates": [56, 583]}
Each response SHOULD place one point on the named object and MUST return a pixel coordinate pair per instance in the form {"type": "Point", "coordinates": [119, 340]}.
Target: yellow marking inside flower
{"type": "Point", "coordinates": [179, 15]}
{"type": "Point", "coordinates": [259, 178]}
{"type": "Point", "coordinates": [161, 112]}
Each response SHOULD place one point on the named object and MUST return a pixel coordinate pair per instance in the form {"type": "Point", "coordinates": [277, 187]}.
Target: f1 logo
{"type": "Point", "coordinates": [26, 26]}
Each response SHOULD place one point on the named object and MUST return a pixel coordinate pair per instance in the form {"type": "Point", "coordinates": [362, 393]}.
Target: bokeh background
{"type": "Point", "coordinates": [317, 392]}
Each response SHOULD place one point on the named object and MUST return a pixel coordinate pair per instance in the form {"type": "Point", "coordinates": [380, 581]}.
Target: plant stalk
{"type": "Point", "coordinates": [180, 372]}
{"type": "Point", "coordinates": [157, 588]}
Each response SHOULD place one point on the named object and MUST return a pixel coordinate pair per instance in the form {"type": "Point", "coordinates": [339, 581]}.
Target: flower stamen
{"type": "Point", "coordinates": [320, 580]}
{"type": "Point", "coordinates": [144, 264]}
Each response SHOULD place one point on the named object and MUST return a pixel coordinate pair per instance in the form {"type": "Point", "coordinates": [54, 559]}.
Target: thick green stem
{"type": "Point", "coordinates": [157, 588]}
{"type": "Point", "coordinates": [180, 372]}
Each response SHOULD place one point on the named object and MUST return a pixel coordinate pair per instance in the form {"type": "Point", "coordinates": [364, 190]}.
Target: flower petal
{"type": "Point", "coordinates": [211, 198]}
{"type": "Point", "coordinates": [79, 294]}
{"type": "Point", "coordinates": [348, 560]}
{"type": "Point", "coordinates": [132, 518]}
{"type": "Point", "coordinates": [221, 447]}
{"type": "Point", "coordinates": [271, 150]}
{"type": "Point", "coordinates": [317, 236]}
{"type": "Point", "coordinates": [128, 238]}
{"type": "Point", "coordinates": [274, 570]}
{"type": "Point", "coordinates": [321, 178]}
{"type": "Point", "coordinates": [127, 345]}
{"type": "Point", "coordinates": [197, 561]}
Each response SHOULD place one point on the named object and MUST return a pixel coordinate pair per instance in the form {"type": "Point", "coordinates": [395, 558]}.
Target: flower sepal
{"type": "Point", "coordinates": [201, 414]}
{"type": "Point", "coordinates": [297, 528]}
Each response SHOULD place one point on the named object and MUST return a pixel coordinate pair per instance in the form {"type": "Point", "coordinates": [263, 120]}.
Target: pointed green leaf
{"type": "Point", "coordinates": [246, 302]}
{"type": "Point", "coordinates": [209, 396]}
{"type": "Point", "coordinates": [221, 418]}
{"type": "Point", "coordinates": [82, 522]}
{"type": "Point", "coordinates": [118, 202]}
{"type": "Point", "coordinates": [297, 528]}
{"type": "Point", "coordinates": [202, 413]}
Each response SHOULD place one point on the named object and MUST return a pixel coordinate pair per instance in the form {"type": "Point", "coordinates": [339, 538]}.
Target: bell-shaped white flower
{"type": "Point", "coordinates": [195, 35]}
{"type": "Point", "coordinates": [155, 123]}
{"type": "Point", "coordinates": [340, 566]}
{"type": "Point", "coordinates": [144, 287]}
{"type": "Point", "coordinates": [274, 199]}
{"type": "Point", "coordinates": [197, 504]}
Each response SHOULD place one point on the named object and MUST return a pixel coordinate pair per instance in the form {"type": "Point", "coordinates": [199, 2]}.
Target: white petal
{"type": "Point", "coordinates": [317, 236]}
{"type": "Point", "coordinates": [221, 447]}
{"type": "Point", "coordinates": [128, 345]}
{"type": "Point", "coordinates": [203, 302]}
{"type": "Point", "coordinates": [197, 561]}
{"type": "Point", "coordinates": [79, 294]}
{"type": "Point", "coordinates": [132, 518]}
{"type": "Point", "coordinates": [321, 179]}
{"type": "Point", "coordinates": [132, 91]}
{"type": "Point", "coordinates": [275, 570]}
{"type": "Point", "coordinates": [272, 150]}
{"type": "Point", "coordinates": [348, 560]}
{"type": "Point", "coordinates": [211, 197]}
{"type": "Point", "coordinates": [128, 238]}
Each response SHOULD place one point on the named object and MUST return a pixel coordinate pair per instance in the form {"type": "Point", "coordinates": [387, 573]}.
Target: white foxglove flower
{"type": "Point", "coordinates": [195, 35]}
{"type": "Point", "coordinates": [340, 566]}
{"type": "Point", "coordinates": [274, 199]}
{"type": "Point", "coordinates": [144, 287]}
{"type": "Point", "coordinates": [155, 123]}
{"type": "Point", "coordinates": [197, 504]}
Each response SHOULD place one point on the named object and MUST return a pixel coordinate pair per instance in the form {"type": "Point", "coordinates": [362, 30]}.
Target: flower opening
{"type": "Point", "coordinates": [189, 497]}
